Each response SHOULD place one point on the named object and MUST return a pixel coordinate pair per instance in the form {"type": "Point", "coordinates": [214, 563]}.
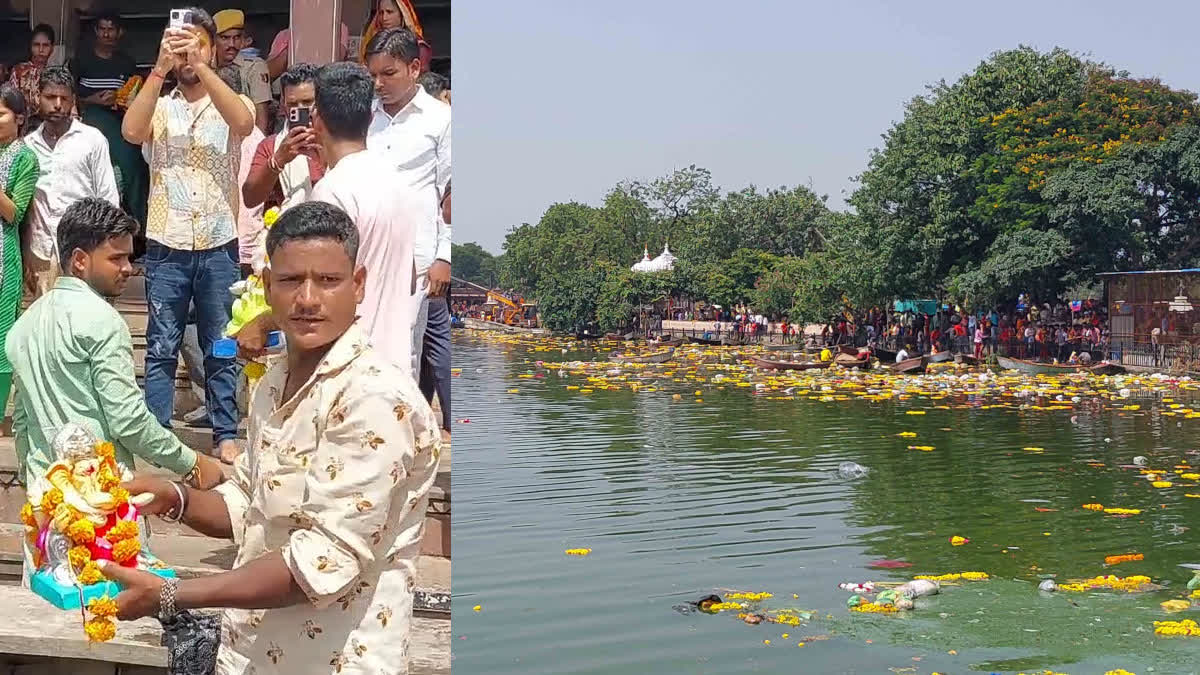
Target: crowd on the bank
{"type": "Point", "coordinates": [356, 269]}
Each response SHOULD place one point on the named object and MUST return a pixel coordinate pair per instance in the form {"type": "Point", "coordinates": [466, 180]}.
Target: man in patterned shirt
{"type": "Point", "coordinates": [328, 507]}
{"type": "Point", "coordinates": [192, 138]}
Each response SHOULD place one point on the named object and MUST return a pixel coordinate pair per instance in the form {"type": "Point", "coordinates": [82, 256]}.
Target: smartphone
{"type": "Point", "coordinates": [181, 18]}
{"type": "Point", "coordinates": [300, 117]}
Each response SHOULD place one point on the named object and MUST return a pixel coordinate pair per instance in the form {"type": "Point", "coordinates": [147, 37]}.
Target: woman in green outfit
{"type": "Point", "coordinates": [18, 176]}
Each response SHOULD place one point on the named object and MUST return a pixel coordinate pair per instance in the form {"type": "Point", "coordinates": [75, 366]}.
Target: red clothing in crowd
{"type": "Point", "coordinates": [262, 157]}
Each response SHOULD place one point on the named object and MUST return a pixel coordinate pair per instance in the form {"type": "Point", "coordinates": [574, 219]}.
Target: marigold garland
{"type": "Point", "coordinates": [78, 556]}
{"type": "Point", "coordinates": [955, 576]}
{"type": "Point", "coordinates": [1131, 584]}
{"type": "Point", "coordinates": [82, 531]}
{"type": "Point", "coordinates": [50, 500]}
{"type": "Point", "coordinates": [1125, 557]}
{"type": "Point", "coordinates": [100, 630]}
{"type": "Point", "coordinates": [120, 495]}
{"type": "Point", "coordinates": [102, 607]}
{"type": "Point", "coordinates": [91, 573]}
{"type": "Point", "coordinates": [27, 515]}
{"type": "Point", "coordinates": [752, 597]}
{"type": "Point", "coordinates": [126, 549]}
{"type": "Point", "coordinates": [124, 529]}
{"type": "Point", "coordinates": [1094, 507]}
{"type": "Point", "coordinates": [873, 608]}
{"type": "Point", "coordinates": [1185, 628]}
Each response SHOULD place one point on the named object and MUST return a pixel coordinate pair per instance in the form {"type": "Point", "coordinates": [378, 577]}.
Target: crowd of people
{"type": "Point", "coordinates": [356, 270]}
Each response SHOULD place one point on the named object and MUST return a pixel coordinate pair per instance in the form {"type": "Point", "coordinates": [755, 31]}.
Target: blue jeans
{"type": "Point", "coordinates": [174, 280]}
{"type": "Point", "coordinates": [435, 356]}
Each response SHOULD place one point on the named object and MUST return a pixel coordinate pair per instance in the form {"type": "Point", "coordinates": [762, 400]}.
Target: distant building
{"type": "Point", "coordinates": [665, 262]}
{"type": "Point", "coordinates": [1141, 302]}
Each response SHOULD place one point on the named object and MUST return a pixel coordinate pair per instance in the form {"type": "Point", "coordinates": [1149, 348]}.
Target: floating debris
{"type": "Point", "coordinates": [578, 551]}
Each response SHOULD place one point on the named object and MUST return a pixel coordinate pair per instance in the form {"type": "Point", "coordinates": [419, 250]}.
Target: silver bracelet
{"type": "Point", "coordinates": [182, 504]}
{"type": "Point", "coordinates": [166, 598]}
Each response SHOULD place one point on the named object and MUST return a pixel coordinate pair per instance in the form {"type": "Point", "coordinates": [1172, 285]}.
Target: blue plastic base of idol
{"type": "Point", "coordinates": [67, 597]}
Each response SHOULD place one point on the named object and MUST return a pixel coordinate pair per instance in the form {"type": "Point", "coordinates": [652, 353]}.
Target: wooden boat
{"type": "Point", "coordinates": [619, 336]}
{"type": "Point", "coordinates": [966, 359]}
{"type": "Point", "coordinates": [784, 348]}
{"type": "Point", "coordinates": [704, 341]}
{"type": "Point", "coordinates": [1033, 368]}
{"type": "Point", "coordinates": [1106, 368]}
{"type": "Point", "coordinates": [884, 355]}
{"type": "Point", "coordinates": [940, 357]}
{"type": "Point", "coordinates": [789, 365]}
{"type": "Point", "coordinates": [848, 350]}
{"type": "Point", "coordinates": [909, 366]}
{"type": "Point", "coordinates": [847, 361]}
{"type": "Point", "coordinates": [483, 324]}
{"type": "Point", "coordinates": [655, 357]}
{"type": "Point", "coordinates": [668, 342]}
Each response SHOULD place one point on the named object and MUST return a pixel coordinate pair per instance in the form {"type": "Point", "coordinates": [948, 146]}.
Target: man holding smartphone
{"type": "Point", "coordinates": [192, 139]}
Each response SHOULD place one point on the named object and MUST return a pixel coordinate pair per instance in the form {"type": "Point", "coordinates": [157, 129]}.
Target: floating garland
{"type": "Point", "coordinates": [874, 608]}
{"type": "Point", "coordinates": [1131, 584]}
{"type": "Point", "coordinates": [956, 576]}
{"type": "Point", "coordinates": [1125, 557]}
{"type": "Point", "coordinates": [752, 597]}
{"type": "Point", "coordinates": [1185, 628]}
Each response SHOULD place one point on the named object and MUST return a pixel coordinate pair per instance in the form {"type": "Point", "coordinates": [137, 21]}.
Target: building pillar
{"type": "Point", "coordinates": [315, 31]}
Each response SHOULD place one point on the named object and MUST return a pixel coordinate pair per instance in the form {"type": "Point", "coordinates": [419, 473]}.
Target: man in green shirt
{"type": "Point", "coordinates": [73, 356]}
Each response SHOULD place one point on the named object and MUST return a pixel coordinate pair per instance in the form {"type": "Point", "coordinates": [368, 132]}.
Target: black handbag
{"type": "Point", "coordinates": [192, 640]}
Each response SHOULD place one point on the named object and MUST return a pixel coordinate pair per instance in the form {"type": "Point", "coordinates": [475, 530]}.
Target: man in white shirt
{"type": "Point", "coordinates": [387, 219]}
{"type": "Point", "coordinates": [74, 164]}
{"type": "Point", "coordinates": [412, 129]}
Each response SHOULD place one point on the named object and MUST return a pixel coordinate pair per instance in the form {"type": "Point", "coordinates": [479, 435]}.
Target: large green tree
{"type": "Point", "coordinates": [474, 263]}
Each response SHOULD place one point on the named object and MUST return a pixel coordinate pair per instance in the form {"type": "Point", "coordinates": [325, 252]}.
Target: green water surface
{"type": "Point", "coordinates": [678, 499]}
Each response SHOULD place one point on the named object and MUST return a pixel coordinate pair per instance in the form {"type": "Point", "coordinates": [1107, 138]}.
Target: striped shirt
{"type": "Point", "coordinates": [96, 74]}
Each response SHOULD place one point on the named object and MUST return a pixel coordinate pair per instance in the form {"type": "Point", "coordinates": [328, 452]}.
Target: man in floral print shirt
{"type": "Point", "coordinates": [328, 506]}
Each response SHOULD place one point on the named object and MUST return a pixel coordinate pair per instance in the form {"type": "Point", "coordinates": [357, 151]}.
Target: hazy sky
{"type": "Point", "coordinates": [558, 100]}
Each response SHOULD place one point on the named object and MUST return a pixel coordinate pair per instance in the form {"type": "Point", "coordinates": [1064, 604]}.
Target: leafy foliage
{"type": "Point", "coordinates": [475, 264]}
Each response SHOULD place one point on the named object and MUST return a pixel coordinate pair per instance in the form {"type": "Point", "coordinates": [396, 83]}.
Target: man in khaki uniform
{"type": "Point", "coordinates": [246, 75]}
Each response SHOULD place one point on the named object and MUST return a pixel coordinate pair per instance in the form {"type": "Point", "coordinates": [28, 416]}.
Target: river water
{"type": "Point", "coordinates": [731, 490]}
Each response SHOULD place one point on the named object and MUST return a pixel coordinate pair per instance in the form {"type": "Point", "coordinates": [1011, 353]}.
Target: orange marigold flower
{"type": "Point", "coordinates": [79, 556]}
{"type": "Point", "coordinates": [120, 494]}
{"type": "Point", "coordinates": [124, 529]}
{"type": "Point", "coordinates": [107, 478]}
{"type": "Point", "coordinates": [27, 515]}
{"type": "Point", "coordinates": [51, 499]}
{"type": "Point", "coordinates": [102, 607]}
{"type": "Point", "coordinates": [126, 549]}
{"type": "Point", "coordinates": [91, 574]}
{"type": "Point", "coordinates": [82, 531]}
{"type": "Point", "coordinates": [100, 630]}
{"type": "Point", "coordinates": [1125, 557]}
{"type": "Point", "coordinates": [105, 450]}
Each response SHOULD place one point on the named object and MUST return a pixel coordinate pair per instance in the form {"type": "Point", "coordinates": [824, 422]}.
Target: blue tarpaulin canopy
{"type": "Point", "coordinates": [922, 306]}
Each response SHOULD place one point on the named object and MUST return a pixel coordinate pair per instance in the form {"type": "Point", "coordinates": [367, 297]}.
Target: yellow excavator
{"type": "Point", "coordinates": [508, 312]}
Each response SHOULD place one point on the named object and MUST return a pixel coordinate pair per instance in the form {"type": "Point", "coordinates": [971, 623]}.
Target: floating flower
{"type": "Point", "coordinates": [1094, 507]}
{"type": "Point", "coordinates": [907, 434]}
{"type": "Point", "coordinates": [1034, 449]}
{"type": "Point", "coordinates": [100, 630]}
{"type": "Point", "coordinates": [922, 448]}
{"type": "Point", "coordinates": [914, 412]}
{"type": "Point", "coordinates": [1123, 512]}
{"type": "Point", "coordinates": [723, 606]}
{"type": "Point", "coordinates": [958, 541]}
{"type": "Point", "coordinates": [1126, 557]}
{"type": "Point", "coordinates": [873, 608]}
{"type": "Point", "coordinates": [956, 576]}
{"type": "Point", "coordinates": [478, 608]}
{"type": "Point", "coordinates": [1131, 584]}
{"type": "Point", "coordinates": [578, 551]}
{"type": "Point", "coordinates": [1187, 628]}
{"type": "Point", "coordinates": [1175, 605]}
{"type": "Point", "coordinates": [1161, 483]}
{"type": "Point", "coordinates": [752, 597]}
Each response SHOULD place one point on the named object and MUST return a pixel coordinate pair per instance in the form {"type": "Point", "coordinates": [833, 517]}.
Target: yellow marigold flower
{"type": "Point", "coordinates": [100, 630]}
{"type": "Point", "coordinates": [578, 551]}
{"type": "Point", "coordinates": [872, 608]}
{"type": "Point", "coordinates": [126, 549]}
{"type": "Point", "coordinates": [124, 529]}
{"type": "Point", "coordinates": [82, 531]}
{"type": "Point", "coordinates": [1186, 628]}
{"type": "Point", "coordinates": [91, 574]}
{"type": "Point", "coordinates": [120, 494]}
{"type": "Point", "coordinates": [1126, 557]}
{"type": "Point", "coordinates": [1094, 507]}
{"type": "Point", "coordinates": [79, 556]}
{"type": "Point", "coordinates": [1123, 512]}
{"type": "Point", "coordinates": [27, 515]}
{"type": "Point", "coordinates": [103, 607]}
{"type": "Point", "coordinates": [105, 450]}
{"type": "Point", "coordinates": [1161, 483]}
{"type": "Point", "coordinates": [107, 479]}
{"type": "Point", "coordinates": [271, 216]}
{"type": "Point", "coordinates": [722, 606]}
{"type": "Point", "coordinates": [51, 499]}
{"type": "Point", "coordinates": [752, 597]}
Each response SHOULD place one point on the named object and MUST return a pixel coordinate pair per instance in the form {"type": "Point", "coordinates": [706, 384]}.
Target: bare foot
{"type": "Point", "coordinates": [446, 436]}
{"type": "Point", "coordinates": [229, 451]}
